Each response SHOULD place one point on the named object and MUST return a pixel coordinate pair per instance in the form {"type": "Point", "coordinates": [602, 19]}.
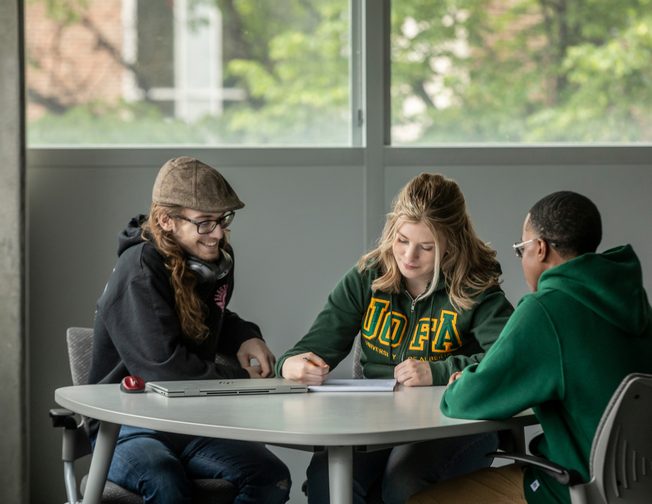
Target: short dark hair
{"type": "Point", "coordinates": [568, 221]}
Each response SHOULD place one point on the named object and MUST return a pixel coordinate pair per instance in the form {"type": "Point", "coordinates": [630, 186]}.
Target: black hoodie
{"type": "Point", "coordinates": [138, 332]}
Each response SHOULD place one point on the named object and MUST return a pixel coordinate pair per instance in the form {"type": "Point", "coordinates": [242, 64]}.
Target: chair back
{"type": "Point", "coordinates": [621, 454]}
{"type": "Point", "coordinates": [357, 351]}
{"type": "Point", "coordinates": [80, 349]}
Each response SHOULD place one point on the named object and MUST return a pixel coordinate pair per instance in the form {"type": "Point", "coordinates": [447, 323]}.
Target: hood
{"type": "Point", "coordinates": [131, 235]}
{"type": "Point", "coordinates": [609, 284]}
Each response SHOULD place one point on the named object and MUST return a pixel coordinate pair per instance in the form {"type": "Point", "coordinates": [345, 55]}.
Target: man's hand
{"type": "Point", "coordinates": [413, 373]}
{"type": "Point", "coordinates": [308, 368]}
{"type": "Point", "coordinates": [255, 348]}
{"type": "Point", "coordinates": [254, 371]}
{"type": "Point", "coordinates": [454, 377]}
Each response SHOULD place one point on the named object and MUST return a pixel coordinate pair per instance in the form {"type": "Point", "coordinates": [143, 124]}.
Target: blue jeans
{"type": "Point", "coordinates": [160, 465]}
{"type": "Point", "coordinates": [404, 470]}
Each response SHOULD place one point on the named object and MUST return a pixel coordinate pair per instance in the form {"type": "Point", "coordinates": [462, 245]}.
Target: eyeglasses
{"type": "Point", "coordinates": [518, 247]}
{"type": "Point", "coordinates": [207, 226]}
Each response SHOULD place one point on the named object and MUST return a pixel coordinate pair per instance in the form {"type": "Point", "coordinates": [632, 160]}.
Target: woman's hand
{"type": "Point", "coordinates": [308, 368]}
{"type": "Point", "coordinates": [413, 373]}
{"type": "Point", "coordinates": [256, 349]}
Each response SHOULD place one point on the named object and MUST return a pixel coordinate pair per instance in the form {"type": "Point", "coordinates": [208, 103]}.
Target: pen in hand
{"type": "Point", "coordinates": [315, 364]}
{"type": "Point", "coordinates": [307, 359]}
{"type": "Point", "coordinates": [308, 368]}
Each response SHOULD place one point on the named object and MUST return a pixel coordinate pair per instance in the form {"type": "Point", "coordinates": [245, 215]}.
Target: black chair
{"type": "Point", "coordinates": [76, 444]}
{"type": "Point", "coordinates": [620, 464]}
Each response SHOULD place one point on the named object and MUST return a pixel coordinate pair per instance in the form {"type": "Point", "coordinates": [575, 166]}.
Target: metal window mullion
{"type": "Point", "coordinates": [180, 50]}
{"type": "Point", "coordinates": [356, 73]}
{"type": "Point", "coordinates": [376, 17]}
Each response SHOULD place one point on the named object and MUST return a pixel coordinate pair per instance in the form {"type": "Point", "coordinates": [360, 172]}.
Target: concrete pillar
{"type": "Point", "coordinates": [13, 386]}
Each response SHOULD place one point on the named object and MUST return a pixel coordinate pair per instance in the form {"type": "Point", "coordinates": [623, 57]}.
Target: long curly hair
{"type": "Point", "coordinates": [469, 266]}
{"type": "Point", "coordinates": [190, 308]}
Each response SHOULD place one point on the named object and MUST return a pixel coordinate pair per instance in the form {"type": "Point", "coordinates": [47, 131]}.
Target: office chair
{"type": "Point", "coordinates": [620, 464]}
{"type": "Point", "coordinates": [357, 351]}
{"type": "Point", "coordinates": [76, 444]}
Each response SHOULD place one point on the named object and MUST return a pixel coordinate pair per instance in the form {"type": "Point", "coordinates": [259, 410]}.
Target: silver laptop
{"type": "Point", "coordinates": [224, 387]}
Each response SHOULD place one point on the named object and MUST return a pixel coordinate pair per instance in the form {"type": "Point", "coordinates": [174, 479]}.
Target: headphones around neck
{"type": "Point", "coordinates": [209, 272]}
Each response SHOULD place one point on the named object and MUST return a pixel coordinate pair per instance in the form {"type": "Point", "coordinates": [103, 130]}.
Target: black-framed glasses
{"type": "Point", "coordinates": [518, 247]}
{"type": "Point", "coordinates": [207, 226]}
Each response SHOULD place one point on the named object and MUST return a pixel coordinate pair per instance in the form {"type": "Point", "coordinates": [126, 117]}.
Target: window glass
{"type": "Point", "coordinates": [203, 72]}
{"type": "Point", "coordinates": [523, 71]}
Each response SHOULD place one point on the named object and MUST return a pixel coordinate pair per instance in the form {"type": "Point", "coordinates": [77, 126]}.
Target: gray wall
{"type": "Point", "coordinates": [13, 442]}
{"type": "Point", "coordinates": [302, 228]}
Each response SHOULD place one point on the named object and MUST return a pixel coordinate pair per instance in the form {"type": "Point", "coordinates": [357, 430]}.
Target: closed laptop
{"type": "Point", "coordinates": [224, 387]}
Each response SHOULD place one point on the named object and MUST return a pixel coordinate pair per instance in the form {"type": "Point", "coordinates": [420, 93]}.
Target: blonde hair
{"type": "Point", "coordinates": [190, 308]}
{"type": "Point", "coordinates": [469, 266]}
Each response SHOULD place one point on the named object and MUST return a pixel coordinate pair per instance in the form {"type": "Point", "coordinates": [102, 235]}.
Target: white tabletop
{"type": "Point", "coordinates": [308, 419]}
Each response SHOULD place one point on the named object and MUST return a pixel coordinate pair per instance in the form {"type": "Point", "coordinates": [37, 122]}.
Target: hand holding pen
{"type": "Point", "coordinates": [308, 368]}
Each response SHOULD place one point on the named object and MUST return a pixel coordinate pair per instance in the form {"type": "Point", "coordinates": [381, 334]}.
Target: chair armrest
{"type": "Point", "coordinates": [75, 443]}
{"type": "Point", "coordinates": [63, 418]}
{"type": "Point", "coordinates": [568, 477]}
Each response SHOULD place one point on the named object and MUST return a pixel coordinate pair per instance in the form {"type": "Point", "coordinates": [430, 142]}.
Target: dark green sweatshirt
{"type": "Point", "coordinates": [563, 353]}
{"type": "Point", "coordinates": [395, 327]}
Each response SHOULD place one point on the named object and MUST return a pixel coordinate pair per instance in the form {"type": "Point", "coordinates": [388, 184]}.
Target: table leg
{"type": "Point", "coordinates": [101, 461]}
{"type": "Point", "coordinates": [340, 474]}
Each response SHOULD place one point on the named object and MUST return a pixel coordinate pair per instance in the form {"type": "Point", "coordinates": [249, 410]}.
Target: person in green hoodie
{"type": "Point", "coordinates": [563, 352]}
{"type": "Point", "coordinates": [427, 303]}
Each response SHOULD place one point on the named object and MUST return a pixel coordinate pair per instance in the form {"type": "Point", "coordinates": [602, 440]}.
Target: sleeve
{"type": "Point", "coordinates": [487, 321]}
{"type": "Point", "coordinates": [521, 370]}
{"type": "Point", "coordinates": [235, 331]}
{"type": "Point", "coordinates": [146, 333]}
{"type": "Point", "coordinates": [333, 332]}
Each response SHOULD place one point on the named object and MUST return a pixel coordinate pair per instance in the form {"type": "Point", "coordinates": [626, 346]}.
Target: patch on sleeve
{"type": "Point", "coordinates": [535, 485]}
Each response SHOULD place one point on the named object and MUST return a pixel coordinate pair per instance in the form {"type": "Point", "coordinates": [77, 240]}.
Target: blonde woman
{"type": "Point", "coordinates": [427, 303]}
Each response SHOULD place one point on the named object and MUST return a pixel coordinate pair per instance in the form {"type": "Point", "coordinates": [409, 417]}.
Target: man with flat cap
{"type": "Point", "coordinates": [163, 316]}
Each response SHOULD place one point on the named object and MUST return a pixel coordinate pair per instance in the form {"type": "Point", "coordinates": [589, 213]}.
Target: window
{"type": "Point", "coordinates": [521, 71]}
{"type": "Point", "coordinates": [188, 72]}
{"type": "Point", "coordinates": [282, 73]}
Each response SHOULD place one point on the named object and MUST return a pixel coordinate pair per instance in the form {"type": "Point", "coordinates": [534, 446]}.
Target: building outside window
{"type": "Point", "coordinates": [199, 72]}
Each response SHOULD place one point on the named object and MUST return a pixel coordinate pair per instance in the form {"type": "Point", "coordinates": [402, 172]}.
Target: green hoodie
{"type": "Point", "coordinates": [395, 327]}
{"type": "Point", "coordinates": [563, 353]}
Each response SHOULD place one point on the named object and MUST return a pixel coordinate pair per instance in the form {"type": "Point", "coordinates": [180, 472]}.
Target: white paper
{"type": "Point", "coordinates": [359, 385]}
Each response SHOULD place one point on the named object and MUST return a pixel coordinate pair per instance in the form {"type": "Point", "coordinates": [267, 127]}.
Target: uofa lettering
{"type": "Point", "coordinates": [384, 327]}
